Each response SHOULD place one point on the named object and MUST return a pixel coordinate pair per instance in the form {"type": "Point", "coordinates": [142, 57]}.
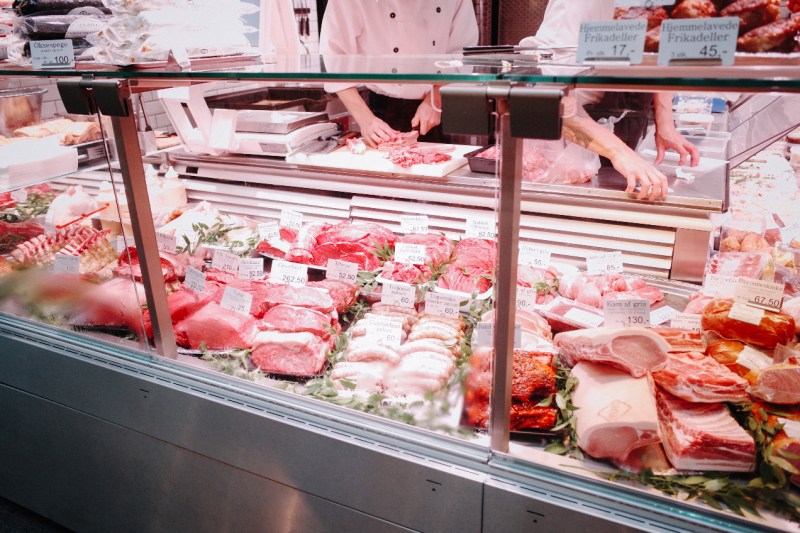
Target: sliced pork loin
{"type": "Point", "coordinates": [696, 377]}
{"type": "Point", "coordinates": [217, 328]}
{"type": "Point", "coordinates": [635, 350]}
{"type": "Point", "coordinates": [290, 319]}
{"type": "Point", "coordinates": [703, 436]}
{"type": "Point", "coordinates": [616, 412]}
{"type": "Point", "coordinates": [296, 354]}
{"type": "Point", "coordinates": [776, 384]}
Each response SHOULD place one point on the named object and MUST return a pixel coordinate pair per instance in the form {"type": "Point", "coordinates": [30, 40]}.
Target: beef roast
{"type": "Point", "coordinates": [296, 354]}
{"type": "Point", "coordinates": [343, 293]}
{"type": "Point", "coordinates": [290, 319]}
{"type": "Point", "coordinates": [217, 328]}
{"type": "Point", "coordinates": [309, 297]}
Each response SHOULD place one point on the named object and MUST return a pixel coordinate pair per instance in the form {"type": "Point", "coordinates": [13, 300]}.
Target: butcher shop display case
{"type": "Point", "coordinates": [516, 334]}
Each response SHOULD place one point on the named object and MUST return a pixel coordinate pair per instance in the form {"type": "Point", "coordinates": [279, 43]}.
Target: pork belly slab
{"type": "Point", "coordinates": [634, 350]}
{"type": "Point", "coordinates": [696, 377]}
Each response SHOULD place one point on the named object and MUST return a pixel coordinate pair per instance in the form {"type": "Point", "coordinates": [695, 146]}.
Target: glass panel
{"type": "Point", "coordinates": [59, 257]}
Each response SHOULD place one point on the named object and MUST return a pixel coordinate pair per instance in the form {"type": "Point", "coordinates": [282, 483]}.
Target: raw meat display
{"type": "Point", "coordinates": [216, 328]}
{"type": "Point", "coordinates": [297, 354]}
{"type": "Point", "coordinates": [116, 304]}
{"type": "Point", "coordinates": [776, 384]}
{"type": "Point", "coordinates": [634, 350]}
{"type": "Point", "coordinates": [774, 328]}
{"type": "Point", "coordinates": [301, 250]}
{"type": "Point", "coordinates": [308, 297]}
{"type": "Point", "coordinates": [545, 281]}
{"type": "Point", "coordinates": [703, 436]}
{"type": "Point", "coordinates": [290, 318]}
{"type": "Point", "coordinates": [173, 266]}
{"type": "Point", "coordinates": [696, 377]}
{"type": "Point", "coordinates": [472, 268]}
{"type": "Point", "coordinates": [344, 294]}
{"type": "Point", "coordinates": [616, 412]}
{"type": "Point", "coordinates": [681, 340]}
{"type": "Point", "coordinates": [74, 240]}
{"type": "Point", "coordinates": [354, 243]}
{"type": "Point", "coordinates": [398, 141]}
{"type": "Point", "coordinates": [438, 250]}
{"type": "Point", "coordinates": [408, 156]}
{"type": "Point", "coordinates": [753, 13]}
{"type": "Point", "coordinates": [592, 290]}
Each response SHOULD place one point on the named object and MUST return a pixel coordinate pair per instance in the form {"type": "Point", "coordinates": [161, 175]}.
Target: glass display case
{"type": "Point", "coordinates": [409, 295]}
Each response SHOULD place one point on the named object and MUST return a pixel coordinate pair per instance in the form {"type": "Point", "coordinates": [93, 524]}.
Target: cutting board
{"type": "Point", "coordinates": [375, 161]}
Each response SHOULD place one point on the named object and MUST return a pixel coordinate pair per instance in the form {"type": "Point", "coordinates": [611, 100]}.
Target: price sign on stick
{"type": "Point", "coordinates": [291, 219]}
{"type": "Point", "coordinates": [288, 273]}
{"type": "Point", "coordinates": [710, 39]}
{"type": "Point", "coordinates": [385, 331]}
{"type": "Point", "coordinates": [757, 293]}
{"type": "Point", "coordinates": [237, 301]}
{"type": "Point", "coordinates": [627, 313]}
{"type": "Point", "coordinates": [688, 321]}
{"type": "Point", "coordinates": [526, 298]}
{"type": "Point", "coordinates": [400, 294]}
{"type": "Point", "coordinates": [52, 54]}
{"type": "Point", "coordinates": [225, 261]}
{"type": "Point", "coordinates": [67, 264]}
{"type": "Point", "coordinates": [442, 304]}
{"type": "Point", "coordinates": [612, 40]}
{"type": "Point", "coordinates": [414, 223]}
{"type": "Point", "coordinates": [166, 243]}
{"type": "Point", "coordinates": [251, 268]}
{"type": "Point", "coordinates": [268, 231]}
{"type": "Point", "coordinates": [195, 279]}
{"type": "Point", "coordinates": [481, 228]}
{"type": "Point", "coordinates": [534, 256]}
{"type": "Point", "coordinates": [411, 254]}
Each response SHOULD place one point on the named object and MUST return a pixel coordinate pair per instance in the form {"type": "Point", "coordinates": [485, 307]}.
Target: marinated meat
{"type": "Point", "coordinates": [529, 415]}
{"type": "Point", "coordinates": [753, 13]}
{"type": "Point", "coordinates": [652, 40]}
{"type": "Point", "coordinates": [290, 318]}
{"type": "Point", "coordinates": [694, 9]}
{"type": "Point", "coordinates": [343, 293]}
{"type": "Point", "coordinates": [297, 354]}
{"type": "Point", "coordinates": [777, 36]}
{"type": "Point", "coordinates": [703, 436]}
{"type": "Point", "coordinates": [774, 328]}
{"type": "Point", "coordinates": [216, 328]}
{"type": "Point", "coordinates": [634, 350]}
{"type": "Point", "coordinates": [616, 412]}
{"type": "Point", "coordinates": [654, 15]}
{"type": "Point", "coordinates": [531, 378]}
{"type": "Point", "coordinates": [776, 384]}
{"type": "Point", "coordinates": [696, 377]}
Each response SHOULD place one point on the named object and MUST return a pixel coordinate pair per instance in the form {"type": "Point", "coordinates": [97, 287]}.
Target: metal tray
{"type": "Point", "coordinates": [263, 121]}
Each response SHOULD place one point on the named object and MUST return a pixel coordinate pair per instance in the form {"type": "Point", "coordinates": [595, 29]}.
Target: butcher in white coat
{"type": "Point", "coordinates": [392, 28]}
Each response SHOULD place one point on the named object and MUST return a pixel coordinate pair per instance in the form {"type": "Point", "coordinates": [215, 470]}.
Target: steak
{"type": "Point", "coordinates": [696, 377]}
{"type": "Point", "coordinates": [343, 293]}
{"type": "Point", "coordinates": [703, 436]}
{"type": "Point", "coordinates": [296, 354]}
{"type": "Point", "coordinates": [305, 242]}
{"type": "Point", "coordinates": [634, 350]}
{"type": "Point", "coordinates": [308, 297]}
{"type": "Point", "coordinates": [367, 233]}
{"type": "Point", "coordinates": [117, 303]}
{"type": "Point", "coordinates": [216, 327]}
{"type": "Point", "coordinates": [290, 319]}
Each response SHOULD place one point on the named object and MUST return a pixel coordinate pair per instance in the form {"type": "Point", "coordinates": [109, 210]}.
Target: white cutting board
{"type": "Point", "coordinates": [375, 161]}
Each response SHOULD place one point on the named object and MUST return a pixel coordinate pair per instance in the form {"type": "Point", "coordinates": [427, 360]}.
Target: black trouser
{"type": "Point", "coordinates": [633, 127]}
{"type": "Point", "coordinates": [398, 112]}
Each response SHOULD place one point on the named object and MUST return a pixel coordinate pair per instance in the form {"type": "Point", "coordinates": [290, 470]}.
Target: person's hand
{"type": "Point", "coordinates": [653, 183]}
{"type": "Point", "coordinates": [375, 131]}
{"type": "Point", "coordinates": [668, 138]}
{"type": "Point", "coordinates": [426, 118]}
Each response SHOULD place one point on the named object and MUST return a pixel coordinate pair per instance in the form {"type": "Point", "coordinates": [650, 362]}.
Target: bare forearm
{"type": "Point", "coordinates": [355, 104]}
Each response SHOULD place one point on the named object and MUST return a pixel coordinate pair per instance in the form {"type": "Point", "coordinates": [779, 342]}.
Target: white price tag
{"type": "Point", "coordinates": [764, 294]}
{"type": "Point", "coordinates": [269, 231]}
{"type": "Point", "coordinates": [195, 279]}
{"type": "Point", "coordinates": [225, 261]}
{"type": "Point", "coordinates": [790, 233]}
{"type": "Point", "coordinates": [411, 254]}
{"type": "Point", "coordinates": [385, 331]}
{"type": "Point", "coordinates": [251, 268]}
{"type": "Point", "coordinates": [414, 224]}
{"type": "Point", "coordinates": [480, 228]}
{"type": "Point", "coordinates": [483, 334]}
{"type": "Point", "coordinates": [442, 304]}
{"type": "Point", "coordinates": [526, 298]}
{"type": "Point", "coordinates": [166, 243]}
{"type": "Point", "coordinates": [122, 243]}
{"type": "Point", "coordinates": [19, 195]}
{"type": "Point", "coordinates": [237, 301]}
{"type": "Point", "coordinates": [642, 3]}
{"type": "Point", "coordinates": [604, 263]}
{"type": "Point", "coordinates": [584, 318]}
{"type": "Point", "coordinates": [634, 313]}
{"type": "Point", "coordinates": [698, 39]}
{"type": "Point", "coordinates": [753, 359]}
{"type": "Point", "coordinates": [719, 286]}
{"type": "Point", "coordinates": [342, 271]}
{"type": "Point", "coordinates": [613, 39]}
{"type": "Point", "coordinates": [67, 264]}
{"type": "Point", "coordinates": [288, 273]}
{"type": "Point", "coordinates": [688, 321]}
{"type": "Point", "coordinates": [291, 219]}
{"type": "Point", "coordinates": [534, 256]}
{"type": "Point", "coordinates": [662, 315]}
{"type": "Point", "coordinates": [52, 54]}
{"type": "Point", "coordinates": [790, 427]}
{"type": "Point", "coordinates": [400, 294]}
{"type": "Point", "coordinates": [745, 313]}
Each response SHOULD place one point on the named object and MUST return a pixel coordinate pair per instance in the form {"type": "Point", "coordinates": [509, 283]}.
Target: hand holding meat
{"type": "Point", "coordinates": [426, 117]}
{"type": "Point", "coordinates": [375, 131]}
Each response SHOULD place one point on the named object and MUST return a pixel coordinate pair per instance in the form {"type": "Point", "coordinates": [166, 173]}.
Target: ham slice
{"type": "Point", "coordinates": [634, 350]}
{"type": "Point", "coordinates": [776, 384]}
{"type": "Point", "coordinates": [696, 377]}
{"type": "Point", "coordinates": [616, 412]}
{"type": "Point", "coordinates": [297, 354]}
{"type": "Point", "coordinates": [703, 436]}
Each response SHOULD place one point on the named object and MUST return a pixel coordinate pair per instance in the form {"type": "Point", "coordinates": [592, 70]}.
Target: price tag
{"type": "Point", "coordinates": [237, 301]}
{"type": "Point", "coordinates": [123, 243]}
{"type": "Point", "coordinates": [717, 285]}
{"type": "Point", "coordinates": [584, 318]}
{"type": "Point", "coordinates": [526, 298]}
{"type": "Point", "coordinates": [414, 224]}
{"type": "Point", "coordinates": [269, 231]}
{"type": "Point", "coordinates": [613, 39]}
{"type": "Point", "coordinates": [251, 268]}
{"type": "Point", "coordinates": [67, 264]}
{"type": "Point", "coordinates": [662, 315]}
{"type": "Point", "coordinates": [166, 243]}
{"type": "Point", "coordinates": [400, 294]}
{"type": "Point", "coordinates": [753, 359]}
{"type": "Point", "coordinates": [19, 195]}
{"type": "Point", "coordinates": [442, 304]}
{"type": "Point", "coordinates": [789, 234]}
{"type": "Point", "coordinates": [763, 294]}
{"type": "Point", "coordinates": [385, 331]}
{"type": "Point", "coordinates": [642, 3]}
{"type": "Point", "coordinates": [634, 313]}
{"type": "Point", "coordinates": [698, 39]}
{"type": "Point", "coordinates": [688, 321]}
{"type": "Point", "coordinates": [790, 427]}
{"type": "Point", "coordinates": [533, 256]}
{"type": "Point", "coordinates": [480, 228]}
{"type": "Point", "coordinates": [288, 273]}
{"type": "Point", "coordinates": [483, 334]}
{"type": "Point", "coordinates": [342, 271]}
{"type": "Point", "coordinates": [745, 313]}
{"type": "Point", "coordinates": [411, 254]}
{"type": "Point", "coordinates": [291, 219]}
{"type": "Point", "coordinates": [604, 263]}
{"type": "Point", "coordinates": [225, 261]}
{"type": "Point", "coordinates": [195, 279]}
{"type": "Point", "coordinates": [57, 53]}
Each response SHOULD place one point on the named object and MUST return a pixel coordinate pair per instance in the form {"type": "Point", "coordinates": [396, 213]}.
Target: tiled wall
{"type": "Point", "coordinates": [51, 101]}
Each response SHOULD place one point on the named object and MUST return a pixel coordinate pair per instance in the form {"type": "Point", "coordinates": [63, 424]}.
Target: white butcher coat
{"type": "Point", "coordinates": [393, 28]}
{"type": "Point", "coordinates": [562, 21]}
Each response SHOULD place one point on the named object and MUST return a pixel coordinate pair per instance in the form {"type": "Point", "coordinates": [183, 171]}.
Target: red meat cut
{"type": "Point", "coordinates": [308, 297]}
{"type": "Point", "coordinates": [216, 327]}
{"type": "Point", "coordinates": [290, 319]}
{"type": "Point", "coordinates": [343, 293]}
{"type": "Point", "coordinates": [297, 354]}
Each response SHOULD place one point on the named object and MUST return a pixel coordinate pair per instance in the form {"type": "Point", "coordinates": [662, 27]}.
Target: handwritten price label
{"type": "Point", "coordinates": [719, 286]}
{"type": "Point", "coordinates": [166, 243]}
{"type": "Point", "coordinates": [414, 224]}
{"type": "Point", "coordinates": [251, 268]}
{"type": "Point", "coordinates": [617, 39]}
{"type": "Point", "coordinates": [410, 254]}
{"type": "Point", "coordinates": [687, 321]}
{"type": "Point", "coordinates": [67, 264]}
{"type": "Point", "coordinates": [225, 261]}
{"type": "Point", "coordinates": [762, 294]}
{"type": "Point", "coordinates": [287, 273]}
{"type": "Point", "coordinates": [480, 228]}
{"type": "Point", "coordinates": [269, 231]}
{"type": "Point", "coordinates": [627, 313]}
{"type": "Point", "coordinates": [342, 271]}
{"type": "Point", "coordinates": [442, 304]}
{"type": "Point", "coordinates": [698, 39]}
{"type": "Point", "coordinates": [385, 331]}
{"type": "Point", "coordinates": [526, 298]}
{"type": "Point", "coordinates": [195, 279]}
{"type": "Point", "coordinates": [237, 301]}
{"type": "Point", "coordinates": [400, 294]}
{"type": "Point", "coordinates": [534, 256]}
{"type": "Point", "coordinates": [604, 263]}
{"type": "Point", "coordinates": [291, 219]}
